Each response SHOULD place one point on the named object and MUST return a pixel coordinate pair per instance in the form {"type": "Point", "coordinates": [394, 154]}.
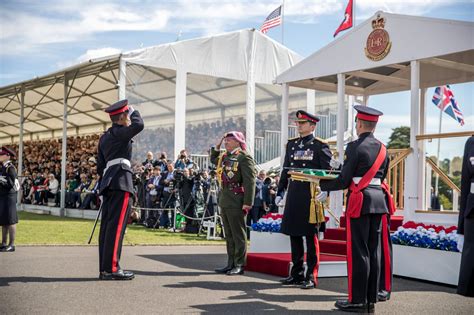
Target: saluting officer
{"type": "Point", "coordinates": [237, 175]}
{"type": "Point", "coordinates": [116, 186]}
{"type": "Point", "coordinates": [306, 151]}
{"type": "Point", "coordinates": [466, 222]}
{"type": "Point", "coordinates": [8, 193]}
{"type": "Point", "coordinates": [364, 170]}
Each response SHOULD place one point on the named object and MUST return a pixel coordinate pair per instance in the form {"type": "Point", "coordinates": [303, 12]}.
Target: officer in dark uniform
{"type": "Point", "coordinates": [9, 187]}
{"type": "Point", "coordinates": [309, 152]}
{"type": "Point", "coordinates": [116, 186]}
{"type": "Point", "coordinates": [466, 222]}
{"type": "Point", "coordinates": [365, 167]}
{"type": "Point", "coordinates": [236, 174]}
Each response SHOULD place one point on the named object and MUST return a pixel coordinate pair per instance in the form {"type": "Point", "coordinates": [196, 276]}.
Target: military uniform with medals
{"type": "Point", "coordinates": [9, 187]}
{"type": "Point", "coordinates": [237, 176]}
{"type": "Point", "coordinates": [306, 153]}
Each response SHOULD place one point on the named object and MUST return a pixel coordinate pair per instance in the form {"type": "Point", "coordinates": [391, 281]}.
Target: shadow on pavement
{"type": "Point", "coordinates": [256, 307]}
{"type": "Point", "coordinates": [5, 281]}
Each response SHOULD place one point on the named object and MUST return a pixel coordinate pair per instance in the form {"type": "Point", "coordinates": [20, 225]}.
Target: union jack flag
{"type": "Point", "coordinates": [443, 97]}
{"type": "Point", "coordinates": [272, 20]}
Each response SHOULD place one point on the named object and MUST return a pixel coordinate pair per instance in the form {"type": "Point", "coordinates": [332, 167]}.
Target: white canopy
{"type": "Point", "coordinates": [424, 52]}
{"type": "Point", "coordinates": [444, 48]}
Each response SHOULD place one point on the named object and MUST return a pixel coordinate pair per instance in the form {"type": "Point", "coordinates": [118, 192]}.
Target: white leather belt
{"type": "Point", "coordinates": [115, 162]}
{"type": "Point", "coordinates": [374, 181]}
{"type": "Point", "coordinates": [472, 188]}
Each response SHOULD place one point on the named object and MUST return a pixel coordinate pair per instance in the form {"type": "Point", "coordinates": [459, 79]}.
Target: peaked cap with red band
{"type": "Point", "coordinates": [302, 116]}
{"type": "Point", "coordinates": [7, 151]}
{"type": "Point", "coordinates": [239, 137]}
{"type": "Point", "coordinates": [367, 113]}
{"type": "Point", "coordinates": [117, 108]}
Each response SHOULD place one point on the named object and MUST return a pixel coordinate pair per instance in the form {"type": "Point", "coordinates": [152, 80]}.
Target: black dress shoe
{"type": "Point", "coordinates": [9, 248]}
{"type": "Point", "coordinates": [383, 296]}
{"type": "Point", "coordinates": [291, 281]}
{"type": "Point", "coordinates": [119, 275]}
{"type": "Point", "coordinates": [346, 306]}
{"type": "Point", "coordinates": [2, 247]}
{"type": "Point", "coordinates": [224, 270]}
{"type": "Point", "coordinates": [307, 284]}
{"type": "Point", "coordinates": [235, 271]}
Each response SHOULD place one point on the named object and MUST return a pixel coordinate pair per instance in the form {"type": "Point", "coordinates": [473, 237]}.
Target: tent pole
{"type": "Point", "coordinates": [250, 100]}
{"type": "Point", "coordinates": [421, 161]}
{"type": "Point", "coordinates": [180, 111]}
{"type": "Point", "coordinates": [336, 197]}
{"type": "Point", "coordinates": [64, 148]}
{"type": "Point", "coordinates": [20, 144]}
{"type": "Point", "coordinates": [122, 80]}
{"type": "Point", "coordinates": [284, 122]}
{"type": "Point", "coordinates": [412, 189]}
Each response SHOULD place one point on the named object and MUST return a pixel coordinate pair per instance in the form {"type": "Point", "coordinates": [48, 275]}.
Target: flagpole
{"type": "Point", "coordinates": [283, 23]}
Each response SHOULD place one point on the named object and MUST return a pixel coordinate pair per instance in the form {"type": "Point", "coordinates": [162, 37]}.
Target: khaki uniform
{"type": "Point", "coordinates": [237, 176]}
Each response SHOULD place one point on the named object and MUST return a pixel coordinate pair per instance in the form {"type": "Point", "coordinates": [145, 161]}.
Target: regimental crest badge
{"type": "Point", "coordinates": [378, 43]}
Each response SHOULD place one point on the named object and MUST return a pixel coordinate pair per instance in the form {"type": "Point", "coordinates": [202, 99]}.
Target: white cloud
{"type": "Point", "coordinates": [32, 25]}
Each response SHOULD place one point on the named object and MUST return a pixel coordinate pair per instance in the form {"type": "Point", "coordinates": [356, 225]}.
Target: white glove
{"type": "Point", "coordinates": [130, 110]}
{"type": "Point", "coordinates": [322, 196]}
{"type": "Point", "coordinates": [101, 198]}
{"type": "Point", "coordinates": [460, 242]}
{"type": "Point", "coordinates": [3, 179]}
{"type": "Point", "coordinates": [334, 163]}
{"type": "Point", "coordinates": [278, 199]}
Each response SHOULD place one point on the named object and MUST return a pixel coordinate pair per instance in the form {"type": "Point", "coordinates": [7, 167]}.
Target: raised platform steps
{"type": "Point", "coordinates": [278, 264]}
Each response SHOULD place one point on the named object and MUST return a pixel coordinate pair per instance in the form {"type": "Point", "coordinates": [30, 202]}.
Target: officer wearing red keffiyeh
{"type": "Point", "coordinates": [364, 170]}
{"type": "Point", "coordinates": [237, 175]}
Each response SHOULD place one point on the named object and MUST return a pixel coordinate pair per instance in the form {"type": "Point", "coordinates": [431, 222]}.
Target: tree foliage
{"type": "Point", "coordinates": [400, 138]}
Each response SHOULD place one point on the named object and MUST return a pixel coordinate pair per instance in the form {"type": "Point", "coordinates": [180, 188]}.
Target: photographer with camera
{"type": "Point", "coordinates": [236, 173]}
{"type": "Point", "coordinates": [162, 162]}
{"type": "Point", "coordinates": [183, 161]}
{"type": "Point", "coordinates": [185, 184]}
{"type": "Point", "coordinates": [168, 199]}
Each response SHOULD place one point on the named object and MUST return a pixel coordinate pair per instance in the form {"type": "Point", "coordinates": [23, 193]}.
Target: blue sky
{"type": "Point", "coordinates": [39, 37]}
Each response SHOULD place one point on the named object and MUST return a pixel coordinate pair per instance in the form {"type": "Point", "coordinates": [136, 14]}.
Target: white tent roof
{"type": "Point", "coordinates": [224, 56]}
{"type": "Point", "coordinates": [439, 44]}
{"type": "Point", "coordinates": [94, 84]}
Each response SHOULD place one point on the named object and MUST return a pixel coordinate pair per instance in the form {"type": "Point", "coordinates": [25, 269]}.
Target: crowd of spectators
{"type": "Point", "coordinates": [42, 172]}
{"type": "Point", "coordinates": [200, 137]}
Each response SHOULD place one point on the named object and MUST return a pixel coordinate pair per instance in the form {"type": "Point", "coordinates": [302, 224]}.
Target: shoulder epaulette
{"type": "Point", "coordinates": [321, 140]}
{"type": "Point", "coordinates": [291, 139]}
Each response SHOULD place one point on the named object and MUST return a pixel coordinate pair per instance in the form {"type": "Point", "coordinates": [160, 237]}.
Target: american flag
{"type": "Point", "coordinates": [274, 19]}
{"type": "Point", "coordinates": [443, 97]}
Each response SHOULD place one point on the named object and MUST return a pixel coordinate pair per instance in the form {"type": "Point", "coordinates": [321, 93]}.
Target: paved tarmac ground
{"type": "Point", "coordinates": [180, 279]}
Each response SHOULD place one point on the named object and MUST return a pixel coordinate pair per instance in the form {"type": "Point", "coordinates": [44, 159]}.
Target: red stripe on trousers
{"type": "Point", "coordinates": [119, 230]}
{"type": "Point", "coordinates": [386, 254]}
{"type": "Point", "coordinates": [349, 256]}
{"type": "Point", "coordinates": [316, 268]}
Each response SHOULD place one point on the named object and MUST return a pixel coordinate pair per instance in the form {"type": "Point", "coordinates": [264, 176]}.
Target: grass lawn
{"type": "Point", "coordinates": [38, 229]}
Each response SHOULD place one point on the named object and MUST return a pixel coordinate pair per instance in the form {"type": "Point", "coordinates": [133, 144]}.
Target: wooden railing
{"type": "Point", "coordinates": [396, 174]}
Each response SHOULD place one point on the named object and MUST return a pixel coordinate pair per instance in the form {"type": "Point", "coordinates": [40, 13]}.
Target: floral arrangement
{"type": "Point", "coordinates": [426, 236]}
{"type": "Point", "coordinates": [270, 222]}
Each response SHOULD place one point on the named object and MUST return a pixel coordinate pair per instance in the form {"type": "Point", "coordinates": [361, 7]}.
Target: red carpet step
{"type": "Point", "coordinates": [396, 221]}
{"type": "Point", "coordinates": [335, 234]}
{"type": "Point", "coordinates": [278, 263]}
{"type": "Point", "coordinates": [336, 247]}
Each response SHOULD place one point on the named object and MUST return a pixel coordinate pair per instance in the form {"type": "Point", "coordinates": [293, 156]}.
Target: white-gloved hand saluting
{"type": "Point", "coordinates": [130, 110]}
{"type": "Point", "coordinates": [460, 244]}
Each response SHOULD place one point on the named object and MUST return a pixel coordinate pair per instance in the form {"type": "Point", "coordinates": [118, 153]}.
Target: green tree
{"type": "Point", "coordinates": [400, 138]}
